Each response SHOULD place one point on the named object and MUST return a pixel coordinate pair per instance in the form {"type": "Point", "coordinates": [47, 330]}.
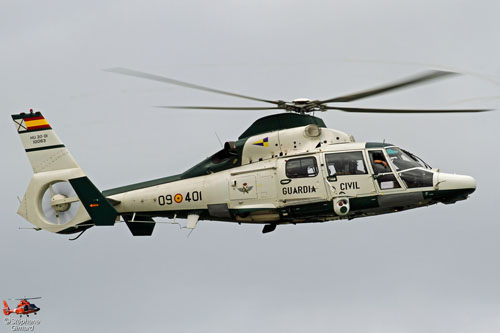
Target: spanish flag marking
{"type": "Point", "coordinates": [34, 123]}
{"type": "Point", "coordinates": [263, 143]}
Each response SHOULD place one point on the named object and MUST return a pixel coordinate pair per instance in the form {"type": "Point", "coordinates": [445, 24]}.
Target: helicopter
{"type": "Point", "coordinates": [23, 308]}
{"type": "Point", "coordinates": [286, 168]}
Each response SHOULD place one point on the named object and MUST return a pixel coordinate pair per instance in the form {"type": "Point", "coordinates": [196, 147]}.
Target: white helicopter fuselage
{"type": "Point", "coordinates": [300, 175]}
{"type": "Point", "coordinates": [285, 168]}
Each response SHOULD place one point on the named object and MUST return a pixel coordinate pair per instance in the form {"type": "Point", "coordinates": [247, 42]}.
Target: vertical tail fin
{"type": "Point", "coordinates": [60, 198]}
{"type": "Point", "coordinates": [6, 309]}
{"type": "Point", "coordinates": [45, 150]}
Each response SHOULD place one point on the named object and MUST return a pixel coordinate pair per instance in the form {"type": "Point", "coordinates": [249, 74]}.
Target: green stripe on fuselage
{"type": "Point", "coordinates": [448, 196]}
{"type": "Point", "coordinates": [138, 186]}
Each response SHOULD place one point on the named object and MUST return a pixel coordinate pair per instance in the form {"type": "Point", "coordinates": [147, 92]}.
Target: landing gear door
{"type": "Point", "coordinates": [347, 174]}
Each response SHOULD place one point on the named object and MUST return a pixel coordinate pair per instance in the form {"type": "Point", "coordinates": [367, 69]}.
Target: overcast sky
{"type": "Point", "coordinates": [432, 269]}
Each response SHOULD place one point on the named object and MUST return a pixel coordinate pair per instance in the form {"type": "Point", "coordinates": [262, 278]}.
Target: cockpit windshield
{"type": "Point", "coordinates": [418, 159]}
{"type": "Point", "coordinates": [403, 160]}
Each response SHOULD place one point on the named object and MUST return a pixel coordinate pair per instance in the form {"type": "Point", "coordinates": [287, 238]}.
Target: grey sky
{"type": "Point", "coordinates": [427, 270]}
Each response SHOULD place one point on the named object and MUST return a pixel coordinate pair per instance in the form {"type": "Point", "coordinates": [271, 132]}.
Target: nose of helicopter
{"type": "Point", "coordinates": [452, 188]}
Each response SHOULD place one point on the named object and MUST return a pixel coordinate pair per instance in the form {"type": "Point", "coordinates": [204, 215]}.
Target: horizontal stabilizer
{"type": "Point", "coordinates": [140, 225]}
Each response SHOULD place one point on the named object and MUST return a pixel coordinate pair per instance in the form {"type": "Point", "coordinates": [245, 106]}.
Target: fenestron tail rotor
{"type": "Point", "coordinates": [60, 203]}
{"type": "Point", "coordinates": [304, 105]}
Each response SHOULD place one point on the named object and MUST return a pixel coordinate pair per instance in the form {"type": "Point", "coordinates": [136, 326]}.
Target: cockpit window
{"type": "Point", "coordinates": [379, 162]}
{"type": "Point", "coordinates": [401, 160]}
{"type": "Point", "coordinates": [382, 171]}
{"type": "Point", "coordinates": [342, 164]}
{"type": "Point", "coordinates": [302, 167]}
{"type": "Point", "coordinates": [417, 159]}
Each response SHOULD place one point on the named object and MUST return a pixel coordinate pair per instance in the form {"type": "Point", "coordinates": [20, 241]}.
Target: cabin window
{"type": "Point", "coordinates": [302, 167]}
{"type": "Point", "coordinates": [343, 164]}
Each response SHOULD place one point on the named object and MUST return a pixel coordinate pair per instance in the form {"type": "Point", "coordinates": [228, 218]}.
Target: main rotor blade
{"type": "Point", "coordinates": [425, 77]}
{"type": "Point", "coordinates": [131, 72]}
{"type": "Point", "coordinates": [374, 110]}
{"type": "Point", "coordinates": [20, 299]}
{"type": "Point", "coordinates": [218, 107]}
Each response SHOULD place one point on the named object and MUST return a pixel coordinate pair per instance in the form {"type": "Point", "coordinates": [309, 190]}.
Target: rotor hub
{"type": "Point", "coordinates": [302, 105]}
{"type": "Point", "coordinates": [59, 207]}
{"type": "Point", "coordinates": [301, 101]}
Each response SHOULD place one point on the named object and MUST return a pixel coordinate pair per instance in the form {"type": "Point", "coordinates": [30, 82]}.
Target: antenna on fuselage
{"type": "Point", "coordinates": [220, 142]}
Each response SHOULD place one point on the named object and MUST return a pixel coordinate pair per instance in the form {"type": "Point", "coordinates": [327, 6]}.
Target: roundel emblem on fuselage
{"type": "Point", "coordinates": [178, 198]}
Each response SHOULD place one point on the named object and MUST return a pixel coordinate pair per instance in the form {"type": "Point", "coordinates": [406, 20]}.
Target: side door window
{"type": "Point", "coordinates": [345, 164]}
{"type": "Point", "coordinates": [382, 171]}
{"type": "Point", "coordinates": [347, 174]}
{"type": "Point", "coordinates": [302, 167]}
{"type": "Point", "coordinates": [300, 179]}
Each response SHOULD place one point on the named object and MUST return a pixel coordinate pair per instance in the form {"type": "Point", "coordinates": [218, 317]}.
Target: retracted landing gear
{"type": "Point", "coordinates": [268, 228]}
